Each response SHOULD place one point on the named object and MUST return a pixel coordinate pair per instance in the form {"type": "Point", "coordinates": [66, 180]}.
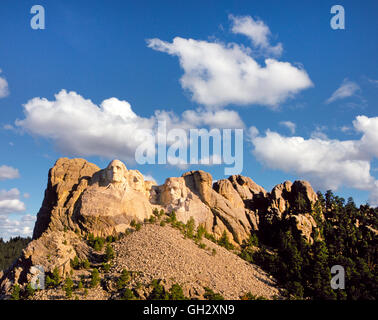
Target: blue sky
{"type": "Point", "coordinates": [324, 100]}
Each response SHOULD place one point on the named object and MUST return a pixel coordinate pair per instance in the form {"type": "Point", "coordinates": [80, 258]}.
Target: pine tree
{"type": "Point", "coordinates": [95, 278]}
{"type": "Point", "coordinates": [190, 225]}
{"type": "Point", "coordinates": [320, 275]}
{"type": "Point", "coordinates": [68, 287]}
{"type": "Point", "coordinates": [109, 253]}
{"type": "Point", "coordinates": [29, 290]}
{"type": "Point", "coordinates": [86, 264]}
{"type": "Point", "coordinates": [176, 293]}
{"type": "Point", "coordinates": [75, 263]}
{"type": "Point", "coordinates": [16, 292]}
{"type": "Point", "coordinates": [56, 277]}
{"type": "Point", "coordinates": [128, 294]}
{"type": "Point", "coordinates": [123, 279]}
{"type": "Point", "coordinates": [224, 242]}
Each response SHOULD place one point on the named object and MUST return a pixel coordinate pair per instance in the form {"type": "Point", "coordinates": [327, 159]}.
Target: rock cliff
{"type": "Point", "coordinates": [80, 199]}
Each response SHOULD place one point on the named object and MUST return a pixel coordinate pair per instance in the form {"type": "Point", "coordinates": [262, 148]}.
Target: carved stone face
{"type": "Point", "coordinates": [136, 180]}
{"type": "Point", "coordinates": [115, 172]}
{"type": "Point", "coordinates": [174, 190]}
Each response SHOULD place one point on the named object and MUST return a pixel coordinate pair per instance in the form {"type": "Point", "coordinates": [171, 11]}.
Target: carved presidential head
{"type": "Point", "coordinates": [115, 172]}
{"type": "Point", "coordinates": [174, 190]}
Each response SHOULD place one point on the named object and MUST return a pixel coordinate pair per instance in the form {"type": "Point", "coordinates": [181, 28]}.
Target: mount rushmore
{"type": "Point", "coordinates": [82, 199]}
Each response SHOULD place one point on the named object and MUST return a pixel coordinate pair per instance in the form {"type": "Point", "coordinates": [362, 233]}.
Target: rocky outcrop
{"type": "Point", "coordinates": [246, 187]}
{"type": "Point", "coordinates": [226, 217]}
{"type": "Point", "coordinates": [66, 181]}
{"type": "Point", "coordinates": [291, 202]}
{"type": "Point", "coordinates": [176, 196]}
{"type": "Point", "coordinates": [305, 225]}
{"type": "Point", "coordinates": [52, 250]}
{"type": "Point", "coordinates": [80, 198]}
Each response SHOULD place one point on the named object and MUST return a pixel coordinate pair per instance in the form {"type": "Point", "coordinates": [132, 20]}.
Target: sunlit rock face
{"type": "Point", "coordinates": [115, 174]}
{"type": "Point", "coordinates": [67, 180]}
{"type": "Point", "coordinates": [80, 196]}
{"type": "Point", "coordinates": [176, 196]}
{"type": "Point", "coordinates": [115, 196]}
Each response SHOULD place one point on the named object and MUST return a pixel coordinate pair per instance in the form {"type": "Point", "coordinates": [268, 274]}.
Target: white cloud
{"type": "Point", "coordinates": [368, 144]}
{"type": "Point", "coordinates": [10, 194]}
{"type": "Point", "coordinates": [220, 119]}
{"type": "Point", "coordinates": [327, 163]}
{"type": "Point", "coordinates": [257, 31]}
{"type": "Point", "coordinates": [347, 89]}
{"type": "Point", "coordinates": [79, 127]}
{"type": "Point", "coordinates": [13, 228]}
{"type": "Point", "coordinates": [7, 172]}
{"type": "Point", "coordinates": [4, 90]}
{"type": "Point", "coordinates": [318, 133]}
{"type": "Point", "coordinates": [9, 202]}
{"type": "Point", "coordinates": [217, 74]}
{"type": "Point", "coordinates": [290, 125]}
{"type": "Point", "coordinates": [253, 132]}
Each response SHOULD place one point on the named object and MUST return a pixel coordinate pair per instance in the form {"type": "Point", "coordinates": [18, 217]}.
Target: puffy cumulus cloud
{"type": "Point", "coordinates": [347, 89]}
{"type": "Point", "coordinates": [4, 90]}
{"type": "Point", "coordinates": [328, 164]}
{"type": "Point", "coordinates": [257, 31]}
{"type": "Point", "coordinates": [13, 228]}
{"type": "Point", "coordinates": [7, 172]}
{"type": "Point", "coordinates": [369, 141]}
{"type": "Point", "coordinates": [290, 125]}
{"type": "Point", "coordinates": [9, 202]}
{"type": "Point", "coordinates": [217, 74]}
{"type": "Point", "coordinates": [79, 127]}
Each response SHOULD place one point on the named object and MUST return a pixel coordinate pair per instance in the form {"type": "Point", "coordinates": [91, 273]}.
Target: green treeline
{"type": "Point", "coordinates": [346, 236]}
{"type": "Point", "coordinates": [10, 250]}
